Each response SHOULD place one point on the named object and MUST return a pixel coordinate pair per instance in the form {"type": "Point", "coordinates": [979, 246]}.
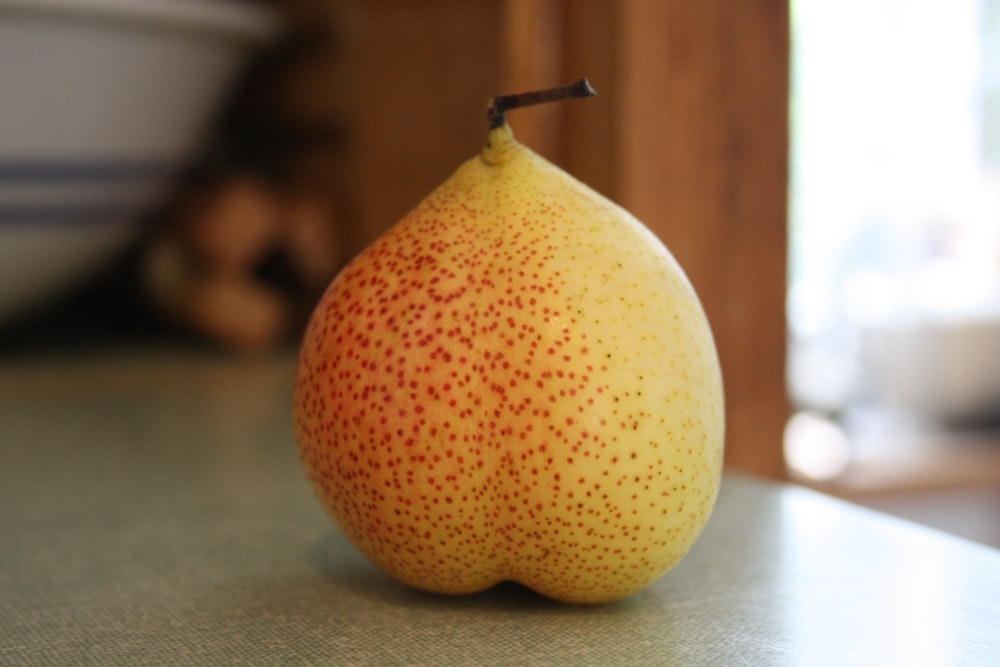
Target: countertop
{"type": "Point", "coordinates": [153, 511]}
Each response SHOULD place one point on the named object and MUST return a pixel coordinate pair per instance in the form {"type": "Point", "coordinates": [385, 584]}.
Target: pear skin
{"type": "Point", "coordinates": [515, 382]}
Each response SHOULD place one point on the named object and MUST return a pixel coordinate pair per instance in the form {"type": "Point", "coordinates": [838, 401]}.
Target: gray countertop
{"type": "Point", "coordinates": [153, 511]}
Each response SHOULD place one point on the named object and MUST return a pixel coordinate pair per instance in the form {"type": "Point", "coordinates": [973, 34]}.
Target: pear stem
{"type": "Point", "coordinates": [503, 103]}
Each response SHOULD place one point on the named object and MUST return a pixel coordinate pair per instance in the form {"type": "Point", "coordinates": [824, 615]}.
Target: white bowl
{"type": "Point", "coordinates": [101, 101]}
{"type": "Point", "coordinates": [946, 368]}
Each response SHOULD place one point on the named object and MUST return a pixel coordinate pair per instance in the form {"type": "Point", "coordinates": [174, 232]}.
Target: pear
{"type": "Point", "coordinates": [515, 382]}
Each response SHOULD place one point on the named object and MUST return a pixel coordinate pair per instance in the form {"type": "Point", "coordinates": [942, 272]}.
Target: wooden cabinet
{"type": "Point", "coordinates": [689, 131]}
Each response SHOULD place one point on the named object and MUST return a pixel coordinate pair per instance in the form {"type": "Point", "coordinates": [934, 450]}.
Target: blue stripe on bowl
{"type": "Point", "coordinates": [62, 171]}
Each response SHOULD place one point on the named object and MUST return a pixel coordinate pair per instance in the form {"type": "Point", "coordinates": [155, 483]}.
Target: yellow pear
{"type": "Point", "coordinates": [515, 382]}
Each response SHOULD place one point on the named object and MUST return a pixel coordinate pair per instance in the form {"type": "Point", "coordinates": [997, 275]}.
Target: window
{"type": "Point", "coordinates": [894, 247]}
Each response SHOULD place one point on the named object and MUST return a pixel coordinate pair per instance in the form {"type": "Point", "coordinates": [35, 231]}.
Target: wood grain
{"type": "Point", "coordinates": [423, 74]}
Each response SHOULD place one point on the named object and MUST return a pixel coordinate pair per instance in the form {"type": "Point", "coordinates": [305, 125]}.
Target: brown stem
{"type": "Point", "coordinates": [503, 103]}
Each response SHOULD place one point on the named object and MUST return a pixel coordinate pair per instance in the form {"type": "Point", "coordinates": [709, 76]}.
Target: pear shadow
{"type": "Point", "coordinates": [347, 568]}
{"type": "Point", "coordinates": [333, 606]}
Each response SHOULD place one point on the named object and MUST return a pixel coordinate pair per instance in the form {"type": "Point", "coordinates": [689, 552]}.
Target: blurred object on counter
{"type": "Point", "coordinates": [242, 265]}
{"type": "Point", "coordinates": [103, 102]}
{"type": "Point", "coordinates": [254, 233]}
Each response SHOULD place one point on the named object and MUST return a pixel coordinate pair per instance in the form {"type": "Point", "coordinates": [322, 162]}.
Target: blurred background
{"type": "Point", "coordinates": [894, 257]}
{"type": "Point", "coordinates": [191, 174]}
